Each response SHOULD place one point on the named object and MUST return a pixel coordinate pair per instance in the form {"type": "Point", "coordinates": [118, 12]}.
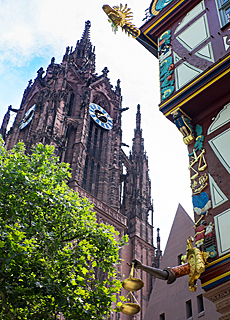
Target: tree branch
{"type": "Point", "coordinates": [6, 307]}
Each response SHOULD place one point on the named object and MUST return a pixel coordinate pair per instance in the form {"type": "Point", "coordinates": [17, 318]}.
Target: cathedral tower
{"type": "Point", "coordinates": [79, 113]}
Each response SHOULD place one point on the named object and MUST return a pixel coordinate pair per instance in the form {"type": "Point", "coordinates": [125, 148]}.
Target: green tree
{"type": "Point", "coordinates": [51, 246]}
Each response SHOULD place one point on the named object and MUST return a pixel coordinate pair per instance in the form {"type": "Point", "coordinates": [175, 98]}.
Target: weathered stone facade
{"type": "Point", "coordinates": [117, 185]}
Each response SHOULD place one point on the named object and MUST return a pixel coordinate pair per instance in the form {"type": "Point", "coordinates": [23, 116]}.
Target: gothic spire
{"type": "Point", "coordinates": [86, 34]}
{"type": "Point", "coordinates": [138, 141]}
{"type": "Point", "coordinates": [158, 239]}
{"type": "Point", "coordinates": [138, 118]}
{"type": "Point", "coordinates": [158, 255]}
{"type": "Point", "coordinates": [84, 54]}
{"type": "Point", "coordinates": [84, 46]}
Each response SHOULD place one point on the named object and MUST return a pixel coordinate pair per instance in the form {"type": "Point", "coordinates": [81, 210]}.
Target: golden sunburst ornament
{"type": "Point", "coordinates": [122, 17]}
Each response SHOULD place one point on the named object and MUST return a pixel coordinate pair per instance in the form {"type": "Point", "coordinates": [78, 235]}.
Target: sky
{"type": "Point", "coordinates": [34, 31]}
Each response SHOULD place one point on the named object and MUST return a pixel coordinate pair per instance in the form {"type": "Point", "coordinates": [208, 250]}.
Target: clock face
{"type": "Point", "coordinates": [27, 117]}
{"type": "Point", "coordinates": [100, 116]}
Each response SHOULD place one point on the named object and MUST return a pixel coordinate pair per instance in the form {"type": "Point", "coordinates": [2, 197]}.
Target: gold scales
{"type": "Point", "coordinates": [131, 284]}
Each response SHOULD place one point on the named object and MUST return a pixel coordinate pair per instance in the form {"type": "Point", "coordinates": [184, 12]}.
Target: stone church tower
{"type": "Point", "coordinates": [79, 113]}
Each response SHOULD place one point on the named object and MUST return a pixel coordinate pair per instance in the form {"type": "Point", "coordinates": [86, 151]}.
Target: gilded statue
{"type": "Point", "coordinates": [121, 16]}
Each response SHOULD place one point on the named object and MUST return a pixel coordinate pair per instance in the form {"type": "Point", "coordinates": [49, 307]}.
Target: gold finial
{"type": "Point", "coordinates": [196, 260]}
{"type": "Point", "coordinates": [121, 16]}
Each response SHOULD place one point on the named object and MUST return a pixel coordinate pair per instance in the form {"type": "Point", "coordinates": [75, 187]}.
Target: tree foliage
{"type": "Point", "coordinates": [51, 247]}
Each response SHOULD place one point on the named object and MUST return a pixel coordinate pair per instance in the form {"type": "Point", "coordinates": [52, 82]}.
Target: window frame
{"type": "Point", "coordinates": [189, 312]}
{"type": "Point", "coordinates": [162, 316]}
{"type": "Point", "coordinates": [222, 7]}
{"type": "Point", "coordinates": [200, 303]}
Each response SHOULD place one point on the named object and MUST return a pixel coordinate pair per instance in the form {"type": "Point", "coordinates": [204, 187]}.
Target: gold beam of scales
{"type": "Point", "coordinates": [195, 266]}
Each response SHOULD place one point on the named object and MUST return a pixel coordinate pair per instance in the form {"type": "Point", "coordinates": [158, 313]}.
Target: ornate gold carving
{"type": "Point", "coordinates": [183, 124]}
{"type": "Point", "coordinates": [196, 260]}
{"type": "Point", "coordinates": [121, 16]}
{"type": "Point", "coordinates": [160, 5]}
{"type": "Point", "coordinates": [202, 183]}
{"type": "Point", "coordinates": [131, 284]}
{"type": "Point", "coordinates": [188, 140]}
{"type": "Point", "coordinates": [130, 308]}
{"type": "Point", "coordinates": [202, 162]}
{"type": "Point", "coordinates": [153, 8]}
{"type": "Point", "coordinates": [198, 182]}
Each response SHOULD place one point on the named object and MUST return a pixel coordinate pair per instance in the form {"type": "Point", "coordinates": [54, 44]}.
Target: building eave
{"type": "Point", "coordinates": [216, 78]}
{"type": "Point", "coordinates": [153, 28]}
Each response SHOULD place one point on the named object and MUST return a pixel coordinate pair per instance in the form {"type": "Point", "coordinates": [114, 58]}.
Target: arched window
{"type": "Point", "coordinates": [91, 176]}
{"type": "Point", "coordinates": [124, 172]}
{"type": "Point", "coordinates": [95, 140]}
{"type": "Point", "coordinates": [71, 100]}
{"type": "Point", "coordinates": [85, 172]}
{"type": "Point", "coordinates": [101, 144]}
{"type": "Point", "coordinates": [97, 180]}
{"type": "Point", "coordinates": [90, 135]}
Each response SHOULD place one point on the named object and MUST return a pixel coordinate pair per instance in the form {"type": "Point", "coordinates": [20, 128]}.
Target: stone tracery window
{"type": "Point", "coordinates": [96, 141]}
{"type": "Point", "coordinates": [101, 100]}
{"type": "Point", "coordinates": [97, 180]}
{"type": "Point", "coordinates": [70, 111]}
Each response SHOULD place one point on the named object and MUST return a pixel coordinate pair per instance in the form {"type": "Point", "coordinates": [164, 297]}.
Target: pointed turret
{"type": "Point", "coordinates": [158, 256]}
{"type": "Point", "coordinates": [138, 141]}
{"type": "Point", "coordinates": [118, 87]}
{"type": "Point", "coordinates": [138, 183]}
{"type": "Point", "coordinates": [138, 207]}
{"type": "Point", "coordinates": [83, 56]}
{"type": "Point", "coordinates": [84, 52]}
{"type": "Point", "coordinates": [84, 46]}
{"type": "Point", "coordinates": [86, 33]}
{"type": "Point", "coordinates": [138, 118]}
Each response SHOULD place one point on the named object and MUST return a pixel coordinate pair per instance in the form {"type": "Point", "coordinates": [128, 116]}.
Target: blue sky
{"type": "Point", "coordinates": [15, 80]}
{"type": "Point", "coordinates": [34, 31]}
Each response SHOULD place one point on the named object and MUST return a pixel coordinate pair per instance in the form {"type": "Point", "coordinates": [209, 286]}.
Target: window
{"type": "Point", "coordinates": [101, 143]}
{"type": "Point", "coordinates": [90, 135]}
{"type": "Point", "coordinates": [224, 10]}
{"type": "Point", "coordinates": [189, 309]}
{"type": "Point", "coordinates": [95, 141]}
{"type": "Point", "coordinates": [70, 112]}
{"type": "Point", "coordinates": [91, 176]}
{"type": "Point", "coordinates": [97, 180]}
{"type": "Point", "coordinates": [150, 217]}
{"type": "Point", "coordinates": [179, 259]}
{"type": "Point", "coordinates": [162, 316]}
{"type": "Point", "coordinates": [200, 303]}
{"type": "Point", "coordinates": [85, 172]}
